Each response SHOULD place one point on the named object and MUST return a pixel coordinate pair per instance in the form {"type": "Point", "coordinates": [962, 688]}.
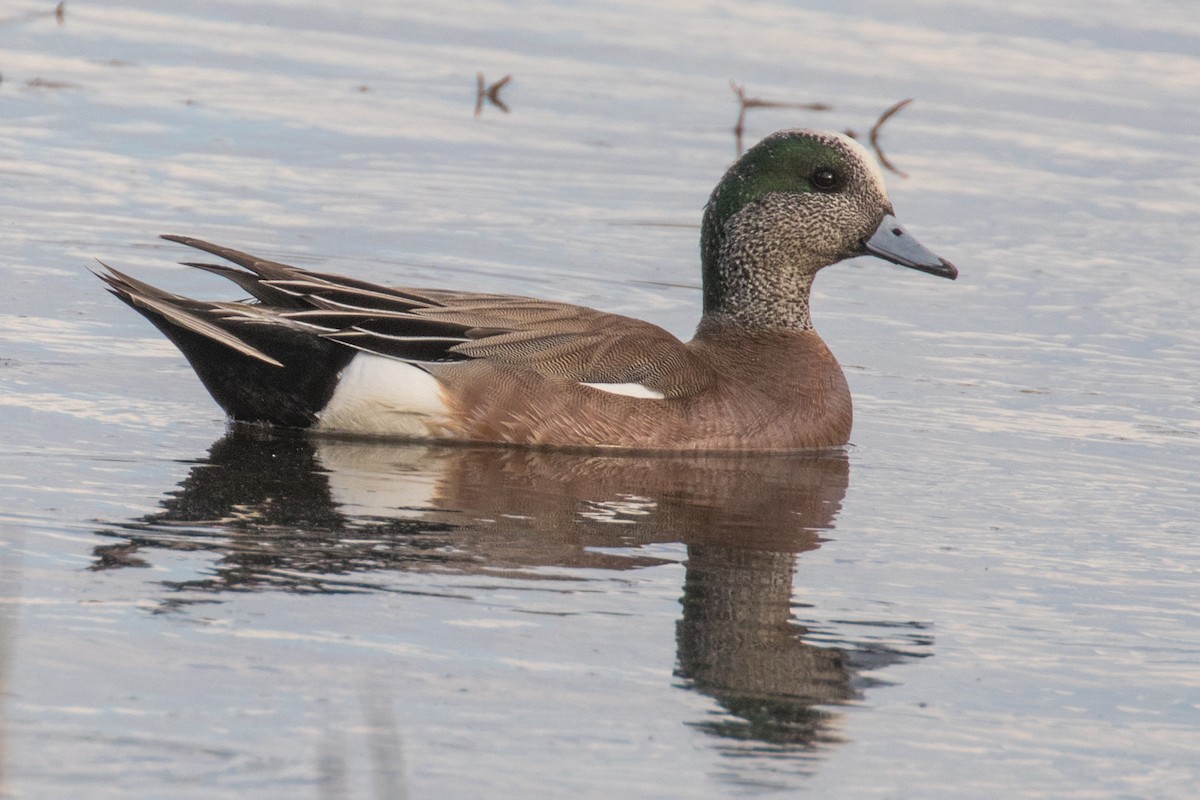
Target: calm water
{"type": "Point", "coordinates": [992, 593]}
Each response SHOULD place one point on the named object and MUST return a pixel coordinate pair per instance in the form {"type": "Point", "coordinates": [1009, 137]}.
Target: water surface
{"type": "Point", "coordinates": [990, 594]}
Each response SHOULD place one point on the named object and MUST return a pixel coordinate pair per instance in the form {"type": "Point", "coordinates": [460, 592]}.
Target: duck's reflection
{"type": "Point", "coordinates": [303, 514]}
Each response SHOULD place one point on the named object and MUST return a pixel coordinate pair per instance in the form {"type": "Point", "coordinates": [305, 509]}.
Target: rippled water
{"type": "Point", "coordinates": [990, 594]}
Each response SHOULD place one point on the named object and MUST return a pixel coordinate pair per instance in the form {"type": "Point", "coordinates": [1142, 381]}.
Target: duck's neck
{"type": "Point", "coordinates": [745, 299]}
{"type": "Point", "coordinates": [757, 273]}
{"type": "Point", "coordinates": [758, 289]}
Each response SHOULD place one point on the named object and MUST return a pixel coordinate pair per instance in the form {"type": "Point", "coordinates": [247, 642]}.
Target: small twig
{"type": "Point", "coordinates": [758, 102]}
{"type": "Point", "coordinates": [43, 83]}
{"type": "Point", "coordinates": [491, 93]}
{"type": "Point", "coordinates": [884, 117]}
{"type": "Point", "coordinates": [59, 13]}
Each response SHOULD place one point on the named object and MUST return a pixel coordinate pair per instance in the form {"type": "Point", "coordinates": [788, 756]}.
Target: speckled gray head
{"type": "Point", "coordinates": [797, 201]}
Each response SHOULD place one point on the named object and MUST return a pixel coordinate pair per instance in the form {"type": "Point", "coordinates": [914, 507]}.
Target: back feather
{"type": "Point", "coordinates": [302, 322]}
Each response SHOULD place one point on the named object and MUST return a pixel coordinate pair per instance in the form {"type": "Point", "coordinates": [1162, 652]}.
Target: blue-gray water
{"type": "Point", "coordinates": [992, 593]}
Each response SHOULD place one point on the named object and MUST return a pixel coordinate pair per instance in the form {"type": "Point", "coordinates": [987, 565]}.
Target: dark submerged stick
{"type": "Point", "coordinates": [884, 117]}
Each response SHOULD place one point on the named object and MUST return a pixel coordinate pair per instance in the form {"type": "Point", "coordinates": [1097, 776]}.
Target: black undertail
{"type": "Point", "coordinates": [253, 390]}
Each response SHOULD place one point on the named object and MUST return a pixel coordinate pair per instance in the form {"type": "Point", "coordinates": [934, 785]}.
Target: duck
{"type": "Point", "coordinates": [340, 355]}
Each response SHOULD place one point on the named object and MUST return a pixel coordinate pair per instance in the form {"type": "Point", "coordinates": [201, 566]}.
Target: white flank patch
{"type": "Point", "coordinates": [386, 397]}
{"type": "Point", "coordinates": [627, 389]}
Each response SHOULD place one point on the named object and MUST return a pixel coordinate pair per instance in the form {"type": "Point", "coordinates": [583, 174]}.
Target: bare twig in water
{"type": "Point", "coordinates": [745, 103]}
{"type": "Point", "coordinates": [59, 13]}
{"type": "Point", "coordinates": [884, 117]}
{"type": "Point", "coordinates": [491, 93]}
{"type": "Point", "coordinates": [43, 83]}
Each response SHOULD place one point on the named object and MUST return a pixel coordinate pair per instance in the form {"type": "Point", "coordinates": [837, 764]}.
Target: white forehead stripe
{"type": "Point", "coordinates": [868, 160]}
{"type": "Point", "coordinates": [627, 389]}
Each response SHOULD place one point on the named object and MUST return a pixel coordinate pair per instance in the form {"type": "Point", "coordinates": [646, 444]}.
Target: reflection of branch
{"type": "Point", "coordinates": [384, 746]}
{"type": "Point", "coordinates": [10, 590]}
{"type": "Point", "coordinates": [884, 117]}
{"type": "Point", "coordinates": [757, 102]}
{"type": "Point", "coordinates": [492, 93]}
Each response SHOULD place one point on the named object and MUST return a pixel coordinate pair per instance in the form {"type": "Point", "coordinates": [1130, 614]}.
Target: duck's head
{"type": "Point", "coordinates": [797, 201]}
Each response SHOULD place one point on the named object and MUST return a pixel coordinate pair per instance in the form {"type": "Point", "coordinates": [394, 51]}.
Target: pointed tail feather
{"type": "Point", "coordinates": [257, 371]}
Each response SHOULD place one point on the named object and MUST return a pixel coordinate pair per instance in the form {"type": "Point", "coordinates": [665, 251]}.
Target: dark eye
{"type": "Point", "coordinates": [825, 179]}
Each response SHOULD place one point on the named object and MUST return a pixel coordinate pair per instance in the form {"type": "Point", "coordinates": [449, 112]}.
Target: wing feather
{"type": "Point", "coordinates": [423, 326]}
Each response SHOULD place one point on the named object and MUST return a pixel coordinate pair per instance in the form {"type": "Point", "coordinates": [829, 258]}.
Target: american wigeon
{"type": "Point", "coordinates": [321, 351]}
